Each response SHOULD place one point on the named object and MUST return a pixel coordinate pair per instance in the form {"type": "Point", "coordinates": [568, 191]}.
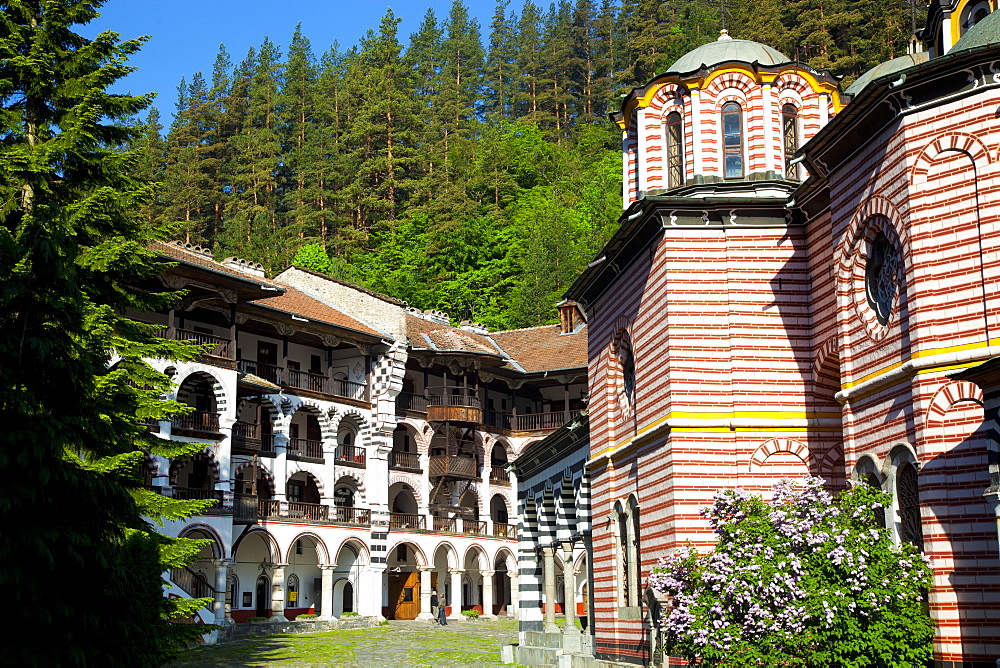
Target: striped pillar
{"type": "Point", "coordinates": [529, 572]}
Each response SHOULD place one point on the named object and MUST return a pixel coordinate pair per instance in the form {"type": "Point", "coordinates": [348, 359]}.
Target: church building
{"type": "Point", "coordinates": [801, 275]}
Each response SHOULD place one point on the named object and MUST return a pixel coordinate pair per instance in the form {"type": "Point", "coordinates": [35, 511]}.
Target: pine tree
{"type": "Point", "coordinates": [298, 121]}
{"type": "Point", "coordinates": [500, 62]}
{"type": "Point", "coordinates": [78, 559]}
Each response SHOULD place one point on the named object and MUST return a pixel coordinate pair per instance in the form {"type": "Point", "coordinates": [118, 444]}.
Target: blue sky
{"type": "Point", "coordinates": [185, 34]}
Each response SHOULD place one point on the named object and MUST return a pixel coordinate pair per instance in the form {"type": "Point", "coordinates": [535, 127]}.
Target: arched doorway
{"type": "Point", "coordinates": [403, 582]}
{"type": "Point", "coordinates": [262, 597]}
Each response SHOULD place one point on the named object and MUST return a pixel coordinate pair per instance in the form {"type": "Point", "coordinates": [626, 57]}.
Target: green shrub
{"type": "Point", "coordinates": [349, 614]}
{"type": "Point", "coordinates": [471, 614]}
{"type": "Point", "coordinates": [257, 619]}
{"type": "Point", "coordinates": [307, 615]}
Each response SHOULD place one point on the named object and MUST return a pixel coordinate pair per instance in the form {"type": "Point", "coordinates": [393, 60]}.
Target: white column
{"type": "Point", "coordinates": [456, 593]}
{"type": "Point", "coordinates": [570, 632]}
{"type": "Point", "coordinates": [946, 42]}
{"type": "Point", "coordinates": [625, 164]}
{"type": "Point", "coordinates": [326, 592]}
{"type": "Point", "coordinates": [280, 466]}
{"type": "Point", "coordinates": [641, 152]}
{"type": "Point", "coordinates": [769, 147]}
{"type": "Point", "coordinates": [695, 148]}
{"type": "Point", "coordinates": [221, 585]}
{"type": "Point", "coordinates": [488, 594]}
{"type": "Point", "coordinates": [515, 594]}
{"type": "Point", "coordinates": [425, 594]}
{"type": "Point", "coordinates": [278, 593]}
{"type": "Point", "coordinates": [549, 577]}
{"type": "Point", "coordinates": [368, 593]}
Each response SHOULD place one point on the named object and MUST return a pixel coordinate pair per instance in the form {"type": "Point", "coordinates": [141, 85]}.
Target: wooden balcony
{"type": "Point", "coordinates": [474, 527]}
{"type": "Point", "coordinates": [408, 461]}
{"type": "Point", "coordinates": [306, 381]}
{"type": "Point", "coordinates": [403, 521]}
{"type": "Point", "coordinates": [247, 436]}
{"type": "Point", "coordinates": [271, 509]}
{"type": "Point", "coordinates": [453, 467]}
{"type": "Point", "coordinates": [305, 448]}
{"type": "Point", "coordinates": [312, 512]}
{"type": "Point", "coordinates": [198, 423]}
{"type": "Point", "coordinates": [246, 509]}
{"type": "Point", "coordinates": [408, 401]}
{"type": "Point", "coordinates": [539, 421]}
{"type": "Point", "coordinates": [502, 530]}
{"type": "Point", "coordinates": [454, 404]}
{"type": "Point", "coordinates": [499, 475]}
{"type": "Point", "coordinates": [350, 455]}
{"type": "Point", "coordinates": [446, 524]}
{"type": "Point", "coordinates": [195, 494]}
{"type": "Point", "coordinates": [349, 515]}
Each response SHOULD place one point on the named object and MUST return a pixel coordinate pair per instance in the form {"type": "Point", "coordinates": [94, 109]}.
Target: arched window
{"type": "Point", "coordinates": [732, 140]}
{"type": "Point", "coordinates": [292, 600]}
{"type": "Point", "coordinates": [881, 276]}
{"type": "Point", "coordinates": [908, 505]}
{"type": "Point", "coordinates": [627, 362]}
{"type": "Point", "coordinates": [624, 593]}
{"type": "Point", "coordinates": [790, 139]}
{"type": "Point", "coordinates": [675, 150]}
{"type": "Point", "coordinates": [872, 481]}
{"type": "Point", "coordinates": [232, 587]}
{"type": "Point", "coordinates": [972, 14]}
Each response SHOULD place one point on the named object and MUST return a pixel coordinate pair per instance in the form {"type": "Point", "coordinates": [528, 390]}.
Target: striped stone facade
{"type": "Point", "coordinates": [812, 332]}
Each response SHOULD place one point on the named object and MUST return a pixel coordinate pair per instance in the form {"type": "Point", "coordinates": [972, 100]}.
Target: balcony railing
{"type": "Point", "coordinates": [221, 346]}
{"type": "Point", "coordinates": [305, 447]}
{"type": "Point", "coordinates": [404, 460]}
{"type": "Point", "coordinates": [448, 465]}
{"type": "Point", "coordinates": [538, 421]}
{"type": "Point", "coordinates": [496, 419]}
{"type": "Point", "coordinates": [499, 475]}
{"type": "Point", "coordinates": [308, 511]}
{"type": "Point", "coordinates": [246, 509]}
{"type": "Point", "coordinates": [405, 521]}
{"type": "Point", "coordinates": [197, 494]}
{"type": "Point", "coordinates": [474, 527]}
{"type": "Point", "coordinates": [195, 584]}
{"type": "Point", "coordinates": [247, 435]}
{"type": "Point", "coordinates": [454, 404]}
{"type": "Point", "coordinates": [305, 380]}
{"type": "Point", "coordinates": [408, 401]}
{"type": "Point", "coordinates": [197, 421]}
{"type": "Point", "coordinates": [350, 454]}
{"type": "Point", "coordinates": [449, 524]}
{"type": "Point", "coordinates": [269, 508]}
{"type": "Point", "coordinates": [502, 530]}
{"type": "Point", "coordinates": [349, 515]}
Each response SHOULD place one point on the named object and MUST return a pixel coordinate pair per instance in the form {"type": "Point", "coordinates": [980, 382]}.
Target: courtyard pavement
{"type": "Point", "coordinates": [461, 643]}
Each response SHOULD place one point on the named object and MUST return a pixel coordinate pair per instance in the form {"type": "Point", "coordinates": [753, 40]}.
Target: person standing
{"type": "Point", "coordinates": [441, 615]}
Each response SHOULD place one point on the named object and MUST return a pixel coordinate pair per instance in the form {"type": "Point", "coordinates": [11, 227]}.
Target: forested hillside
{"type": "Point", "coordinates": [476, 176]}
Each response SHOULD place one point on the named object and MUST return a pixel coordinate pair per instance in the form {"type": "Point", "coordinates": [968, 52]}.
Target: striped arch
{"type": "Point", "coordinates": [776, 446]}
{"type": "Point", "coordinates": [547, 521]}
{"type": "Point", "coordinates": [949, 395]}
{"type": "Point", "coordinates": [207, 453]}
{"type": "Point", "coordinates": [298, 468]}
{"type": "Point", "coordinates": [504, 493]}
{"type": "Point", "coordinates": [959, 142]}
{"type": "Point", "coordinates": [826, 466]}
{"type": "Point", "coordinates": [829, 347]}
{"type": "Point", "coordinates": [730, 95]}
{"type": "Point", "coordinates": [565, 509]}
{"type": "Point", "coordinates": [792, 97]}
{"type": "Point", "coordinates": [580, 562]}
{"type": "Point", "coordinates": [264, 470]}
{"type": "Point", "coordinates": [218, 388]}
{"type": "Point", "coordinates": [218, 546]}
{"type": "Point", "coordinates": [421, 431]}
{"type": "Point", "coordinates": [582, 503]}
{"type": "Point", "coordinates": [668, 98]}
{"type": "Point", "coordinates": [867, 463]}
{"type": "Point", "coordinates": [731, 80]}
{"type": "Point", "coordinates": [266, 404]}
{"type": "Point", "coordinates": [359, 421]}
{"type": "Point", "coordinates": [409, 482]}
{"type": "Point", "coordinates": [325, 423]}
{"type": "Point", "coordinates": [481, 503]}
{"type": "Point", "coordinates": [507, 557]}
{"type": "Point", "coordinates": [515, 452]}
{"type": "Point", "coordinates": [358, 546]}
{"type": "Point", "coordinates": [322, 554]}
{"type": "Point", "coordinates": [482, 561]}
{"type": "Point", "coordinates": [417, 551]}
{"type": "Point", "coordinates": [357, 475]}
{"type": "Point", "coordinates": [273, 549]}
{"type": "Point", "coordinates": [451, 553]}
{"type": "Point", "coordinates": [874, 206]}
{"type": "Point", "coordinates": [791, 81]}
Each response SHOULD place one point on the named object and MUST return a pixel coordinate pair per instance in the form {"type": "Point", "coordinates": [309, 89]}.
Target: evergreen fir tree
{"type": "Point", "coordinates": [72, 370]}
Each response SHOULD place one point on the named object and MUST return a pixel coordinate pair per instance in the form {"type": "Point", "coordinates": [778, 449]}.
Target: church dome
{"type": "Point", "coordinates": [883, 69]}
{"type": "Point", "coordinates": [726, 49]}
{"type": "Point", "coordinates": [986, 31]}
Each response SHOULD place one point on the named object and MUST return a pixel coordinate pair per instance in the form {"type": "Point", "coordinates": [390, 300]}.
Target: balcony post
{"type": "Point", "coordinates": [171, 324]}
{"type": "Point", "coordinates": [278, 594]}
{"type": "Point", "coordinates": [326, 593]}
{"type": "Point", "coordinates": [425, 594]}
{"type": "Point", "coordinates": [549, 578]}
{"type": "Point", "coordinates": [488, 594]}
{"type": "Point", "coordinates": [571, 634]}
{"type": "Point", "coordinates": [280, 466]}
{"type": "Point", "coordinates": [232, 332]}
{"type": "Point", "coordinates": [566, 401]}
{"type": "Point", "coordinates": [456, 593]}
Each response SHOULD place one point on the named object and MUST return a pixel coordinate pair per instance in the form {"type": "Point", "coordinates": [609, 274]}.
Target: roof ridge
{"type": "Point", "coordinates": [521, 329]}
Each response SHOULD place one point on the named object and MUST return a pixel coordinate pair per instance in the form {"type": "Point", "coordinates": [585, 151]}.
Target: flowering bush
{"type": "Point", "coordinates": [805, 580]}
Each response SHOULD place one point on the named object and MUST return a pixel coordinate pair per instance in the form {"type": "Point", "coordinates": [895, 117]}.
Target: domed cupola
{"type": "Point", "coordinates": [729, 112]}
{"type": "Point", "coordinates": [949, 20]}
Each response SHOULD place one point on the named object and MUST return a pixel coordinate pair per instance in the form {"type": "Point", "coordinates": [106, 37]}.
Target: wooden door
{"type": "Point", "coordinates": [404, 595]}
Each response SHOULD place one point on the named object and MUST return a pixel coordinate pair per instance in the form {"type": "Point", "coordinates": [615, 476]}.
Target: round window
{"type": "Point", "coordinates": [881, 276]}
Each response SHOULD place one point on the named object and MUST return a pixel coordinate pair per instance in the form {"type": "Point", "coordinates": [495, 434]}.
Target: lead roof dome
{"type": "Point", "coordinates": [725, 49]}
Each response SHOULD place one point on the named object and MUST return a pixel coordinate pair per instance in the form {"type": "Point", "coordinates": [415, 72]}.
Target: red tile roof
{"type": "Point", "coordinates": [297, 302]}
{"type": "Point", "coordinates": [446, 337]}
{"type": "Point", "coordinates": [544, 348]}
{"type": "Point", "coordinates": [193, 257]}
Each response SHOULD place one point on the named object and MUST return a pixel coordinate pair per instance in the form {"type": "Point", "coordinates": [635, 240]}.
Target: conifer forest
{"type": "Point", "coordinates": [465, 168]}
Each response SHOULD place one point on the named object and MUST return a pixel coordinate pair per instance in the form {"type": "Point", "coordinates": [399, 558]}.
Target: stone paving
{"type": "Point", "coordinates": [461, 643]}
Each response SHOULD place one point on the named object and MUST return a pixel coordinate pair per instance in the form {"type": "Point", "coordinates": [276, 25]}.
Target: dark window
{"type": "Point", "coordinates": [872, 481]}
{"type": "Point", "coordinates": [732, 140]}
{"type": "Point", "coordinates": [407, 594]}
{"type": "Point", "coordinates": [675, 150]}
{"type": "Point", "coordinates": [314, 364]}
{"type": "Point", "coordinates": [401, 553]}
{"type": "Point", "coordinates": [881, 276]}
{"type": "Point", "coordinates": [908, 500]}
{"type": "Point", "coordinates": [790, 136]}
{"type": "Point", "coordinates": [628, 371]}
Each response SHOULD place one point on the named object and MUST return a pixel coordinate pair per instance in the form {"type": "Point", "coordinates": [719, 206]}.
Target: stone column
{"type": "Point", "coordinates": [425, 594]}
{"type": "Point", "coordinates": [326, 592]}
{"type": "Point", "coordinates": [515, 595]}
{"type": "Point", "coordinates": [549, 577]}
{"type": "Point", "coordinates": [368, 591]}
{"type": "Point", "coordinates": [571, 634]}
{"type": "Point", "coordinates": [278, 593]}
{"type": "Point", "coordinates": [642, 151]}
{"type": "Point", "coordinates": [221, 585]}
{"type": "Point", "coordinates": [280, 467]}
{"type": "Point", "coordinates": [456, 593]}
{"type": "Point", "coordinates": [488, 594]}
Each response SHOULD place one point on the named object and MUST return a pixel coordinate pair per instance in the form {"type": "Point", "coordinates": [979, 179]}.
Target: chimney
{"type": "Point", "coordinates": [245, 266]}
{"type": "Point", "coordinates": [474, 327]}
{"type": "Point", "coordinates": [571, 317]}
